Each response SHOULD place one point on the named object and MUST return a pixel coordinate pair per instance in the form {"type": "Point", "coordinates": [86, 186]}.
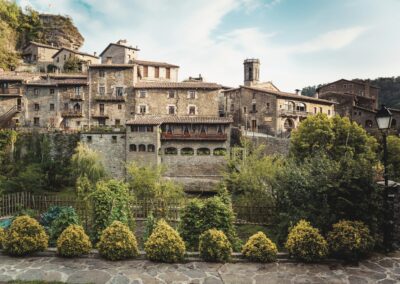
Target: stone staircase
{"type": "Point", "coordinates": [6, 118]}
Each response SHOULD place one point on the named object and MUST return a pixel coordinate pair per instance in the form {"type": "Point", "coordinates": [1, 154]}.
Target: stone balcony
{"type": "Point", "coordinates": [109, 98]}
{"type": "Point", "coordinates": [11, 92]}
{"type": "Point", "coordinates": [71, 113]}
{"type": "Point", "coordinates": [285, 112]}
{"type": "Point", "coordinates": [194, 136]}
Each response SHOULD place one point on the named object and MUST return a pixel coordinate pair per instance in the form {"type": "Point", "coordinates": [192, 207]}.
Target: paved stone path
{"type": "Point", "coordinates": [378, 269]}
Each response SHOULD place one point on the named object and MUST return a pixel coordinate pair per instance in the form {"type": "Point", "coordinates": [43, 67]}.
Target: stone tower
{"type": "Point", "coordinates": [251, 72]}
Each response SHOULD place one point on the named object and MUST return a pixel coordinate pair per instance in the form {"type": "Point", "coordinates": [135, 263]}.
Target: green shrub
{"type": "Point", "coordinates": [165, 244]}
{"type": "Point", "coordinates": [73, 241]}
{"type": "Point", "coordinates": [65, 218]}
{"type": "Point", "coordinates": [350, 240]}
{"type": "Point", "coordinates": [117, 242]}
{"type": "Point", "coordinates": [305, 242]}
{"type": "Point", "coordinates": [149, 226]}
{"type": "Point", "coordinates": [260, 248]}
{"type": "Point", "coordinates": [191, 225]}
{"type": "Point", "coordinates": [215, 246]}
{"type": "Point", "coordinates": [2, 237]}
{"type": "Point", "coordinates": [49, 216]}
{"type": "Point", "coordinates": [25, 236]}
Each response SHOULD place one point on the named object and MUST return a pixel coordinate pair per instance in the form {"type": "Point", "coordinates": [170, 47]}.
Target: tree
{"type": "Point", "coordinates": [86, 162]}
{"type": "Point", "coordinates": [73, 65]}
{"type": "Point", "coordinates": [393, 144]}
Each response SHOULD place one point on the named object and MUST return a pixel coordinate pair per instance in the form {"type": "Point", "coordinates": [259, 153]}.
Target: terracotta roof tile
{"type": "Point", "coordinates": [41, 45]}
{"type": "Point", "coordinates": [154, 63]}
{"type": "Point", "coordinates": [111, 65]}
{"type": "Point", "coordinates": [156, 120]}
{"type": "Point", "coordinates": [177, 85]}
{"type": "Point", "coordinates": [75, 52]}
{"type": "Point", "coordinates": [121, 45]}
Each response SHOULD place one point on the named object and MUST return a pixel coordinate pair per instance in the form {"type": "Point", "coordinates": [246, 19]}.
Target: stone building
{"type": "Point", "coordinates": [65, 54]}
{"type": "Point", "coordinates": [263, 108]}
{"type": "Point", "coordinates": [39, 54]}
{"type": "Point", "coordinates": [119, 53]}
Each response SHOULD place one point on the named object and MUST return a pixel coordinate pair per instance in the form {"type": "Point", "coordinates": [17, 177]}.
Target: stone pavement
{"type": "Point", "coordinates": [378, 269]}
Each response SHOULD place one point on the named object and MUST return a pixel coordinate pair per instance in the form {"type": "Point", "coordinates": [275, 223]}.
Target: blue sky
{"type": "Point", "coordinates": [299, 42]}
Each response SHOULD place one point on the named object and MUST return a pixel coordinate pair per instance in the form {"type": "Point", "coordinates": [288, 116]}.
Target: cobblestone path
{"type": "Point", "coordinates": [378, 269]}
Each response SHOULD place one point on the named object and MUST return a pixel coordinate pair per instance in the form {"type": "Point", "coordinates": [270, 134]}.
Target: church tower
{"type": "Point", "coordinates": [251, 72]}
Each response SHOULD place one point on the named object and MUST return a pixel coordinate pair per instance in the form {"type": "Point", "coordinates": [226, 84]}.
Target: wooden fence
{"type": "Point", "coordinates": [13, 203]}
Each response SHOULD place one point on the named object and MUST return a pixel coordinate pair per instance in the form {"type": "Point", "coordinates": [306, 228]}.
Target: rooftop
{"type": "Point", "coordinates": [41, 45]}
{"type": "Point", "coordinates": [177, 85]}
{"type": "Point", "coordinates": [156, 120]}
{"type": "Point", "coordinates": [111, 65]}
{"type": "Point", "coordinates": [120, 45]}
{"type": "Point", "coordinates": [75, 52]}
{"type": "Point", "coordinates": [154, 63]}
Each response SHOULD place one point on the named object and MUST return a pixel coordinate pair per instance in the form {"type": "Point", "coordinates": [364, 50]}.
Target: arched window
{"type": "Point", "coordinates": [171, 151]}
{"type": "Point", "coordinates": [368, 123]}
{"type": "Point", "coordinates": [132, 148]}
{"type": "Point", "coordinates": [394, 123]}
{"type": "Point", "coordinates": [219, 152]}
{"type": "Point", "coordinates": [203, 152]}
{"type": "Point", "coordinates": [77, 107]}
{"type": "Point", "coordinates": [289, 106]}
{"type": "Point", "coordinates": [187, 151]}
{"type": "Point", "coordinates": [289, 124]}
{"type": "Point", "coordinates": [151, 148]}
{"type": "Point", "coordinates": [301, 107]}
{"type": "Point", "coordinates": [142, 148]}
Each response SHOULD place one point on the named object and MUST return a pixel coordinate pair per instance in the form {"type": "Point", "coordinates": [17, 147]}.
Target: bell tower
{"type": "Point", "coordinates": [251, 72]}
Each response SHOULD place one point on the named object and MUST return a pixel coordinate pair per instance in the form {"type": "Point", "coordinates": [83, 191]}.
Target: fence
{"type": "Point", "coordinates": [13, 203]}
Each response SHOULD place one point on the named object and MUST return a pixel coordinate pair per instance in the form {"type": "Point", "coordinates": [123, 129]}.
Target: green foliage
{"type": "Point", "coordinates": [260, 248]}
{"type": "Point", "coordinates": [149, 226]}
{"type": "Point", "coordinates": [117, 242]}
{"type": "Point", "coordinates": [305, 243]}
{"type": "Point", "coordinates": [191, 225]}
{"type": "Point", "coordinates": [309, 91]}
{"type": "Point", "coordinates": [350, 240]}
{"type": "Point", "coordinates": [47, 218]}
{"type": "Point", "coordinates": [65, 218]}
{"type": "Point", "coordinates": [73, 65]}
{"type": "Point", "coordinates": [148, 183]}
{"type": "Point", "coordinates": [165, 244]}
{"type": "Point", "coordinates": [110, 202]}
{"type": "Point", "coordinates": [2, 237]}
{"type": "Point", "coordinates": [25, 236]}
{"type": "Point", "coordinates": [86, 162]}
{"type": "Point", "coordinates": [389, 90]}
{"type": "Point", "coordinates": [73, 242]}
{"type": "Point", "coordinates": [393, 146]}
{"type": "Point", "coordinates": [214, 246]}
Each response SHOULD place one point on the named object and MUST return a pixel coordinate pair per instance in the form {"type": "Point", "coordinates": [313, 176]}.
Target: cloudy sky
{"type": "Point", "coordinates": [299, 42]}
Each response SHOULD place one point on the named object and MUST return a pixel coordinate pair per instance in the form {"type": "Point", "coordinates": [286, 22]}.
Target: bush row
{"type": "Point", "coordinates": [348, 240]}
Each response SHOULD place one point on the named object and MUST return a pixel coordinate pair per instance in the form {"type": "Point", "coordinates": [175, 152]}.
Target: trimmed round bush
{"type": "Point", "coordinates": [306, 243]}
{"type": "Point", "coordinates": [165, 244]}
{"type": "Point", "coordinates": [117, 242]}
{"type": "Point", "coordinates": [215, 246]}
{"type": "Point", "coordinates": [2, 237]}
{"type": "Point", "coordinates": [260, 248]}
{"type": "Point", "coordinates": [350, 240]}
{"type": "Point", "coordinates": [25, 236]}
{"type": "Point", "coordinates": [73, 241]}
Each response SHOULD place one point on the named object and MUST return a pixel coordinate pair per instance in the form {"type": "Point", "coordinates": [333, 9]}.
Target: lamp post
{"type": "Point", "coordinates": [384, 120]}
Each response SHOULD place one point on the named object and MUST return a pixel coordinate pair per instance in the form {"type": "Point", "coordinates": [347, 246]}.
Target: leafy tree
{"type": "Point", "coordinates": [86, 162]}
{"type": "Point", "coordinates": [309, 91]}
{"type": "Point", "coordinates": [73, 65]}
{"type": "Point", "coordinates": [393, 144]}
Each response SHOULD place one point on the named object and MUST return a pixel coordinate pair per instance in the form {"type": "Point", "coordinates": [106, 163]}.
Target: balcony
{"type": "Point", "coordinates": [109, 98]}
{"type": "Point", "coordinates": [11, 92]}
{"type": "Point", "coordinates": [71, 113]}
{"type": "Point", "coordinates": [194, 136]}
{"type": "Point", "coordinates": [100, 114]}
{"type": "Point", "coordinates": [285, 112]}
{"type": "Point", "coordinates": [77, 98]}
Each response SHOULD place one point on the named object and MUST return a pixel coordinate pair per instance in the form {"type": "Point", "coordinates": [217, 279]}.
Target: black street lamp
{"type": "Point", "coordinates": [384, 120]}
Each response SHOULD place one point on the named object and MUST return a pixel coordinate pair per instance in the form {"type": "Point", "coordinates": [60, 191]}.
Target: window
{"type": "Point", "coordinates": [149, 128]}
{"type": "Point", "coordinates": [368, 123]}
{"type": "Point", "coordinates": [145, 71]}
{"type": "Point", "coordinates": [51, 107]}
{"type": "Point", "coordinates": [119, 91]}
{"type": "Point", "coordinates": [156, 72]}
{"type": "Point", "coordinates": [134, 128]}
{"type": "Point", "coordinates": [113, 139]}
{"type": "Point", "coordinates": [51, 91]}
{"type": "Point", "coordinates": [288, 124]}
{"type": "Point", "coordinates": [77, 91]}
{"type": "Point", "coordinates": [254, 96]}
{"type": "Point", "coordinates": [37, 107]}
{"type": "Point", "coordinates": [329, 112]}
{"type": "Point", "coordinates": [102, 73]}
{"type": "Point", "coordinates": [65, 57]}
{"type": "Point", "coordinates": [117, 122]}
{"type": "Point", "coordinates": [142, 109]}
{"type": "Point", "coordinates": [171, 151]}
{"type": "Point", "coordinates": [102, 91]}
{"type": "Point", "coordinates": [301, 107]}
{"type": "Point", "coordinates": [220, 130]}
{"type": "Point", "coordinates": [58, 59]}
{"type": "Point", "coordinates": [219, 152]}
{"type": "Point", "coordinates": [151, 148]}
{"type": "Point", "coordinates": [171, 109]}
{"type": "Point", "coordinates": [102, 121]}
{"type": "Point", "coordinates": [142, 94]}
{"type": "Point", "coordinates": [36, 92]}
{"type": "Point", "coordinates": [167, 73]}
{"type": "Point", "coordinates": [192, 110]}
{"type": "Point", "coordinates": [78, 123]}
{"type": "Point", "coordinates": [36, 121]}
{"type": "Point", "coordinates": [187, 151]}
{"type": "Point", "coordinates": [315, 110]}
{"type": "Point", "coordinates": [101, 109]}
{"type": "Point", "coordinates": [171, 94]}
{"type": "Point", "coordinates": [66, 107]}
{"type": "Point", "coordinates": [253, 125]}
{"type": "Point", "coordinates": [203, 130]}
{"type": "Point", "coordinates": [394, 123]}
{"type": "Point", "coordinates": [192, 95]}
{"type": "Point", "coordinates": [267, 105]}
{"type": "Point", "coordinates": [132, 148]}
{"type": "Point", "coordinates": [142, 148]}
{"type": "Point", "coordinates": [203, 152]}
{"type": "Point", "coordinates": [119, 106]}
{"type": "Point", "coordinates": [244, 109]}
{"type": "Point", "coordinates": [254, 108]}
{"type": "Point", "coordinates": [89, 139]}
{"type": "Point", "coordinates": [232, 107]}
{"type": "Point", "coordinates": [320, 109]}
{"type": "Point", "coordinates": [142, 128]}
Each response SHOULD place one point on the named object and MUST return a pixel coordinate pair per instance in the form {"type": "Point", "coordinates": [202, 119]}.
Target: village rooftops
{"type": "Point", "coordinates": [177, 85]}
{"type": "Point", "coordinates": [41, 45]}
{"type": "Point", "coordinates": [156, 120]}
{"type": "Point", "coordinates": [111, 65]}
{"type": "Point", "coordinates": [154, 63]}
{"type": "Point", "coordinates": [75, 52]}
{"type": "Point", "coordinates": [120, 45]}
{"type": "Point", "coordinates": [73, 82]}
{"type": "Point", "coordinates": [354, 81]}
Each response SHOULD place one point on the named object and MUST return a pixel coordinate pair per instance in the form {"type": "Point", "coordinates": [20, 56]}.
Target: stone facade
{"type": "Point", "coordinates": [64, 54]}
{"type": "Point", "coordinates": [39, 54]}
{"type": "Point", "coordinates": [119, 53]}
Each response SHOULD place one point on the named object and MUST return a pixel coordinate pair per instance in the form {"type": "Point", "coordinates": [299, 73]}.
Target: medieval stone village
{"type": "Point", "coordinates": [116, 168]}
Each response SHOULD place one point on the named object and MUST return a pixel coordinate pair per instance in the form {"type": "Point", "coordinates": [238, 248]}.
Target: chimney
{"type": "Point", "coordinates": [297, 91]}
{"type": "Point", "coordinates": [94, 53]}
{"type": "Point", "coordinates": [316, 95]}
{"type": "Point", "coordinates": [109, 60]}
{"type": "Point", "coordinates": [122, 41]}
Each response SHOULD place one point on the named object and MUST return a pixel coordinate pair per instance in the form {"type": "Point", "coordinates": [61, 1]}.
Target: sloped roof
{"type": "Point", "coordinates": [111, 65]}
{"type": "Point", "coordinates": [154, 63]}
{"type": "Point", "coordinates": [41, 45]}
{"type": "Point", "coordinates": [119, 45]}
{"type": "Point", "coordinates": [355, 81]}
{"type": "Point", "coordinates": [57, 82]}
{"type": "Point", "coordinates": [75, 52]}
{"type": "Point", "coordinates": [177, 85]}
{"type": "Point", "coordinates": [157, 120]}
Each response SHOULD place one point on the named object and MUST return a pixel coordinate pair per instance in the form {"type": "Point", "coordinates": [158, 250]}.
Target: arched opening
{"type": "Point", "coordinates": [77, 107]}
{"type": "Point", "coordinates": [288, 124]}
{"type": "Point", "coordinates": [151, 148]}
{"type": "Point", "coordinates": [132, 148]}
{"type": "Point", "coordinates": [171, 151]}
{"type": "Point", "coordinates": [187, 151]}
{"type": "Point", "coordinates": [289, 106]}
{"type": "Point", "coordinates": [368, 123]}
{"type": "Point", "coordinates": [301, 107]}
{"type": "Point", "coordinates": [142, 148]}
{"type": "Point", "coordinates": [203, 152]}
{"type": "Point", "coordinates": [219, 152]}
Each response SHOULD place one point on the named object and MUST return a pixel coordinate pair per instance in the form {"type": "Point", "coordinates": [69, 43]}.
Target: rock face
{"type": "Point", "coordinates": [60, 31]}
